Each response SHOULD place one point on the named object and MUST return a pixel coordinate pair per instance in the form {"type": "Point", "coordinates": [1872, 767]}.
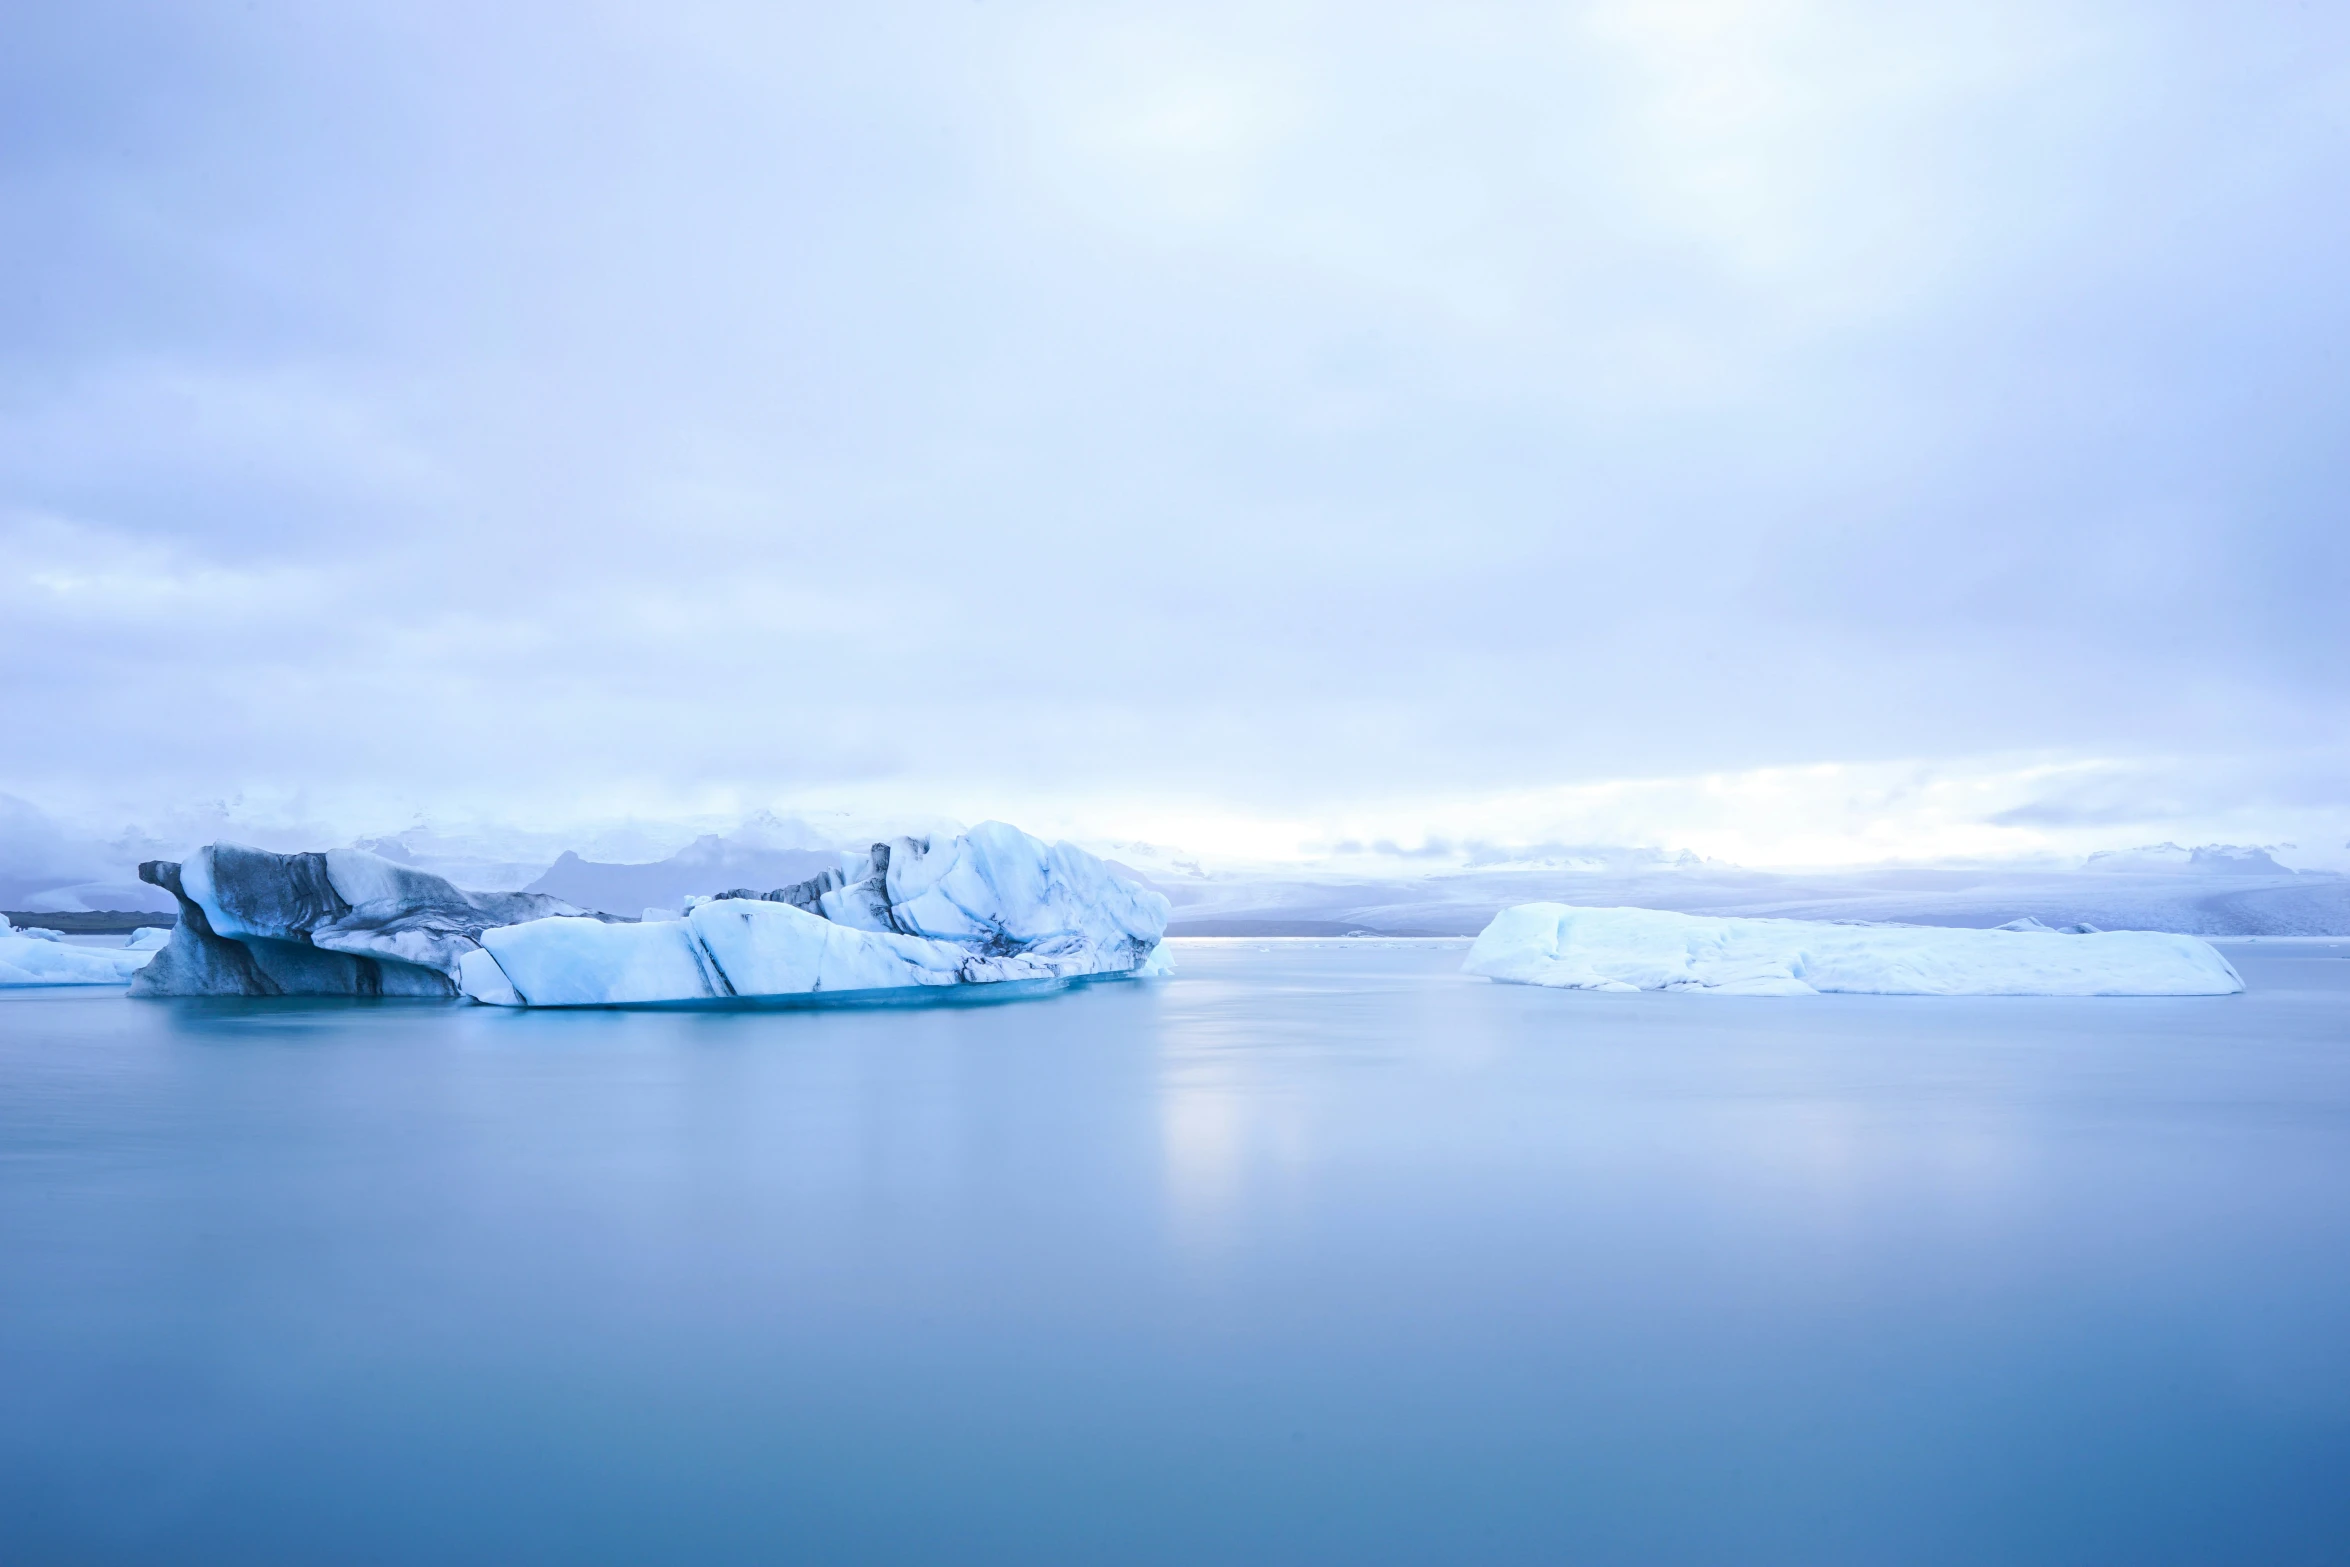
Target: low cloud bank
{"type": "Point", "coordinates": [1435, 888]}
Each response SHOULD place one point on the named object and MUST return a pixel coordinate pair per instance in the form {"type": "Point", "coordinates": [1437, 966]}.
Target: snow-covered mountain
{"type": "Point", "coordinates": [710, 864]}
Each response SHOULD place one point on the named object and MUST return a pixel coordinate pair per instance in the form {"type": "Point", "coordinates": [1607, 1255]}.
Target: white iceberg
{"type": "Point", "coordinates": [1571, 948]}
{"type": "Point", "coordinates": [990, 906]}
{"type": "Point", "coordinates": [43, 957]}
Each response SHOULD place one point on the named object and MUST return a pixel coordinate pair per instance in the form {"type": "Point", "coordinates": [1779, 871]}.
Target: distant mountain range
{"type": "Point", "coordinates": [2209, 890]}
{"type": "Point", "coordinates": [710, 864]}
{"type": "Point", "coordinates": [2214, 891]}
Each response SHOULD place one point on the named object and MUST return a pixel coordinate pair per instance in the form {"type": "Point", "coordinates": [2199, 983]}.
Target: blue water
{"type": "Point", "coordinates": [1315, 1253]}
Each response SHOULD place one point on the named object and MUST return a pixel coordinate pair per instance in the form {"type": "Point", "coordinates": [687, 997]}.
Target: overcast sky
{"type": "Point", "coordinates": [1800, 430]}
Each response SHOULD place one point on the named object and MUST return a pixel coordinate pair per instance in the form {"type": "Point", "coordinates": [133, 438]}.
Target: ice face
{"type": "Point", "coordinates": [342, 923]}
{"type": "Point", "coordinates": [774, 949]}
{"type": "Point", "coordinates": [987, 907]}
{"type": "Point", "coordinates": [567, 961]}
{"type": "Point", "coordinates": [1572, 948]}
{"type": "Point", "coordinates": [725, 947]}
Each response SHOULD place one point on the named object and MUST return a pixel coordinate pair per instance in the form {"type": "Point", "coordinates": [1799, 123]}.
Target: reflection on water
{"type": "Point", "coordinates": [1316, 1252]}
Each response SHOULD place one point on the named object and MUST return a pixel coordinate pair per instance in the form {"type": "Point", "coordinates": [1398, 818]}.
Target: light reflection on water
{"type": "Point", "coordinates": [1316, 1252]}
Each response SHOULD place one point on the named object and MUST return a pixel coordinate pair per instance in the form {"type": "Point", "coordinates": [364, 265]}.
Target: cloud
{"type": "Point", "coordinates": [1278, 415]}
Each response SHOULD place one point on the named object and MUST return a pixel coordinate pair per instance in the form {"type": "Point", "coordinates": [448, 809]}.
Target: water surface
{"type": "Point", "coordinates": [1318, 1252]}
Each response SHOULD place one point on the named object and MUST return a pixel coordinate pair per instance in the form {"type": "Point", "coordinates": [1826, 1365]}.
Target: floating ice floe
{"type": "Point", "coordinates": [991, 906]}
{"type": "Point", "coordinates": [43, 957]}
{"type": "Point", "coordinates": [1571, 948]}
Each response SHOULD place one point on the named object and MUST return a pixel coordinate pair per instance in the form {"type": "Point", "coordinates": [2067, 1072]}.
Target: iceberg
{"type": "Point", "coordinates": [1573, 948]}
{"type": "Point", "coordinates": [984, 907]}
{"type": "Point", "coordinates": [340, 923]}
{"type": "Point", "coordinates": [987, 907]}
{"type": "Point", "coordinates": [34, 956]}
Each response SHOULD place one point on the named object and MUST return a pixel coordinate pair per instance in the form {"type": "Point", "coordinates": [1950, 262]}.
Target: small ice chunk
{"type": "Point", "coordinates": [479, 976]}
{"type": "Point", "coordinates": [43, 958]}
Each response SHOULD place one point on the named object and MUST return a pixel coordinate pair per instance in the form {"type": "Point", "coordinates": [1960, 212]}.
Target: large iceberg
{"type": "Point", "coordinates": [991, 906]}
{"type": "Point", "coordinates": [1571, 948]}
{"type": "Point", "coordinates": [43, 957]}
{"type": "Point", "coordinates": [342, 923]}
{"type": "Point", "coordinates": [986, 907]}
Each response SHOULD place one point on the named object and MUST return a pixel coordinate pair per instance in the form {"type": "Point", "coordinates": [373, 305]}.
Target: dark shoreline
{"type": "Point", "coordinates": [100, 922]}
{"type": "Point", "coordinates": [1262, 928]}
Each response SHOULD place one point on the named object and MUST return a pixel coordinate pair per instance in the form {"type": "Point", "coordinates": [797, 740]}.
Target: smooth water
{"type": "Point", "coordinates": [1315, 1253]}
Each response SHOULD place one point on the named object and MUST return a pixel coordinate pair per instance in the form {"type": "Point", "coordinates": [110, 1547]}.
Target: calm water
{"type": "Point", "coordinates": [1317, 1253]}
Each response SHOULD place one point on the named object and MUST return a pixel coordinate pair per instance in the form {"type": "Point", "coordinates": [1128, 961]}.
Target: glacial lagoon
{"type": "Point", "coordinates": [1315, 1252]}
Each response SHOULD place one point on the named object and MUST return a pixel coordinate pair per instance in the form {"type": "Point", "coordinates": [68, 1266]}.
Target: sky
{"type": "Point", "coordinates": [1805, 433]}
